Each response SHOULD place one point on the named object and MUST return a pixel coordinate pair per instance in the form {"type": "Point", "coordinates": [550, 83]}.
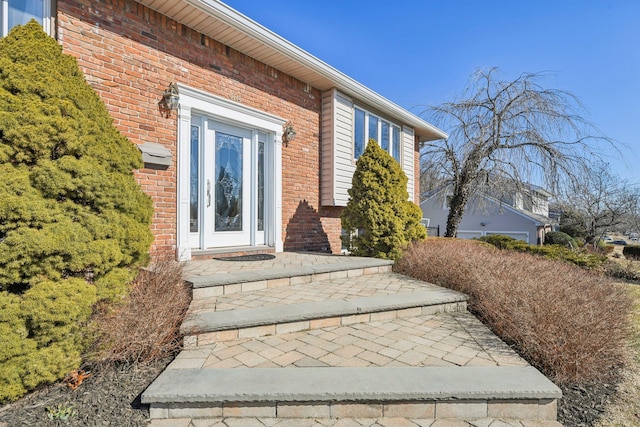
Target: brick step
{"type": "Point", "coordinates": [314, 305]}
{"type": "Point", "coordinates": [427, 393]}
{"type": "Point", "coordinates": [225, 283]}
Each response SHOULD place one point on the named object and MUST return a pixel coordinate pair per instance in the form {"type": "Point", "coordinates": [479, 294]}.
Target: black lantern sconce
{"type": "Point", "coordinates": [171, 97]}
{"type": "Point", "coordinates": [288, 134]}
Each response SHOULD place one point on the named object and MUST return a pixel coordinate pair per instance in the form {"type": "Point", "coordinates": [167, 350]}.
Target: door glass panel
{"type": "Point", "coordinates": [260, 189]}
{"type": "Point", "coordinates": [228, 191]}
{"type": "Point", "coordinates": [194, 179]}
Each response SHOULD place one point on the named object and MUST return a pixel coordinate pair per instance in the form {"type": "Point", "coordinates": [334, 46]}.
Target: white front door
{"type": "Point", "coordinates": [227, 185]}
{"type": "Point", "coordinates": [227, 168]}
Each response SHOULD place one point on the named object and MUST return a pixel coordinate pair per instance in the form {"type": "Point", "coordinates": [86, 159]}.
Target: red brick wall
{"type": "Point", "coordinates": [129, 54]}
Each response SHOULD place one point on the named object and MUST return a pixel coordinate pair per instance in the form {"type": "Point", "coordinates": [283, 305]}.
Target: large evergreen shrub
{"type": "Point", "coordinates": [379, 218]}
{"type": "Point", "coordinates": [73, 221]}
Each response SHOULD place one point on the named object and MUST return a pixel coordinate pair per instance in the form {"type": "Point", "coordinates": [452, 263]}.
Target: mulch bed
{"type": "Point", "coordinates": [582, 405]}
{"type": "Point", "coordinates": [111, 397]}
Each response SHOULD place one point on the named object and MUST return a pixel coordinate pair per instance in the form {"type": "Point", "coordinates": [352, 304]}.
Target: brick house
{"type": "Point", "coordinates": [223, 168]}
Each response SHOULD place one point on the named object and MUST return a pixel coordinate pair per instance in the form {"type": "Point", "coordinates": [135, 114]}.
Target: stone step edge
{"type": "Point", "coordinates": [270, 320]}
{"type": "Point", "coordinates": [415, 392]}
{"type": "Point", "coordinates": [205, 338]}
{"type": "Point", "coordinates": [228, 283]}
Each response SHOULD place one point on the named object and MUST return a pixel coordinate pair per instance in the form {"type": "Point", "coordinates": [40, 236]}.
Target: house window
{"type": "Point", "coordinates": [384, 132]}
{"type": "Point", "coordinates": [19, 12]}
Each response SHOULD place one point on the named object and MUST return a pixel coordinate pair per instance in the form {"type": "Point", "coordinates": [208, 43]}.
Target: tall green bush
{"type": "Point", "coordinates": [73, 220]}
{"type": "Point", "coordinates": [379, 218]}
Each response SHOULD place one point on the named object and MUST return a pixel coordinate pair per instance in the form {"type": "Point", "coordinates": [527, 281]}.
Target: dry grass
{"type": "Point", "coordinates": [625, 409]}
{"type": "Point", "coordinates": [146, 327]}
{"type": "Point", "coordinates": [570, 323]}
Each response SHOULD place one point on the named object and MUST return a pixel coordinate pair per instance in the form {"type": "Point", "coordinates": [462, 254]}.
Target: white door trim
{"type": "Point", "coordinates": [195, 101]}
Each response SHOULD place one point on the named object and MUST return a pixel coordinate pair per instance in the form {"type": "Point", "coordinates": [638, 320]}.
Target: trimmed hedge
{"type": "Point", "coordinates": [631, 252]}
{"type": "Point", "coordinates": [561, 239]}
{"type": "Point", "coordinates": [580, 258]}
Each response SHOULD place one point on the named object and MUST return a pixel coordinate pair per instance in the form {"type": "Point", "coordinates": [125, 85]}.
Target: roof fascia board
{"type": "Point", "coordinates": [343, 82]}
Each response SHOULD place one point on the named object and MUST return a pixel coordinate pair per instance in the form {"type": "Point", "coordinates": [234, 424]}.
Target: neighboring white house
{"type": "Point", "coordinates": [523, 215]}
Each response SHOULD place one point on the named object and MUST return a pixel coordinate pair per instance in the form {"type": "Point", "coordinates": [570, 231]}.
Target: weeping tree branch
{"type": "Point", "coordinates": [517, 130]}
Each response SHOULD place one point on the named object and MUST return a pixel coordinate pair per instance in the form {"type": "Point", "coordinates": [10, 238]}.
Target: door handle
{"type": "Point", "coordinates": [208, 193]}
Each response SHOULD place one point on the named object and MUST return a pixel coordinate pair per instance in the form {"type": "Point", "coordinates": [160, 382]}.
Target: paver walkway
{"type": "Point", "coordinates": [456, 339]}
{"type": "Point", "coordinates": [385, 339]}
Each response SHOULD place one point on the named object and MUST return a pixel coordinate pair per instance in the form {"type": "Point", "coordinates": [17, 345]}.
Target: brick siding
{"type": "Point", "coordinates": [130, 53]}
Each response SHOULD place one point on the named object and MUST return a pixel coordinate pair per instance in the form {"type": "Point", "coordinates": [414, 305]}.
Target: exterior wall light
{"type": "Point", "coordinates": [288, 133]}
{"type": "Point", "coordinates": [171, 97]}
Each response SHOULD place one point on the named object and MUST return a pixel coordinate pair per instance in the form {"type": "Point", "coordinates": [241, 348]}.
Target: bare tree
{"type": "Point", "coordinates": [508, 132]}
{"type": "Point", "coordinates": [598, 200]}
{"type": "Point", "coordinates": [431, 176]}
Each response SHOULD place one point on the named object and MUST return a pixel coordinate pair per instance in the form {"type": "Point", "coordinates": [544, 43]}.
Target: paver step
{"type": "Point", "coordinates": [315, 304]}
{"type": "Point", "coordinates": [350, 422]}
{"type": "Point", "coordinates": [312, 340]}
{"type": "Point", "coordinates": [452, 339]}
{"type": "Point", "coordinates": [425, 392]}
{"type": "Point", "coordinates": [225, 283]}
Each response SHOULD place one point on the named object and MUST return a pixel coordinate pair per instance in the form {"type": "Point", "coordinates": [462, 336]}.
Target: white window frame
{"type": "Point", "coordinates": [47, 18]}
{"type": "Point", "coordinates": [195, 102]}
{"type": "Point", "coordinates": [378, 138]}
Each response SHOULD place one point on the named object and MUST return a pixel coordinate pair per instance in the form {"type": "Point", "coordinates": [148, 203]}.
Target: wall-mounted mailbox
{"type": "Point", "coordinates": [155, 156]}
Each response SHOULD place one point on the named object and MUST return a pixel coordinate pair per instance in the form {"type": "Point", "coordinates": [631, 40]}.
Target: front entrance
{"type": "Point", "coordinates": [227, 185]}
{"type": "Point", "coordinates": [229, 175]}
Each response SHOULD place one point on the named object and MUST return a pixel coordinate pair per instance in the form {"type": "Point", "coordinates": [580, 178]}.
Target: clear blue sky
{"type": "Point", "coordinates": [422, 52]}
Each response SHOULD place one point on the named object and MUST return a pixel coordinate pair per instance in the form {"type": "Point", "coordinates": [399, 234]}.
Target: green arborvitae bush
{"type": "Point", "coordinates": [73, 220]}
{"type": "Point", "coordinates": [560, 238]}
{"type": "Point", "coordinates": [379, 218]}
